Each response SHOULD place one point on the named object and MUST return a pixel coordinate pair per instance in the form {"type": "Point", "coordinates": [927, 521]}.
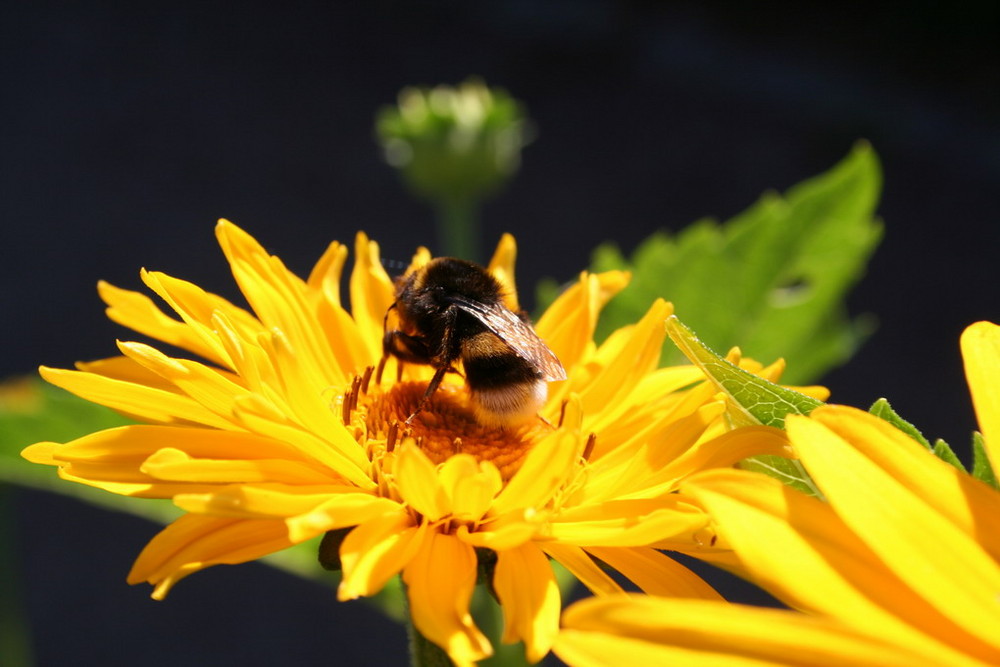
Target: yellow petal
{"type": "Point", "coordinates": [624, 364]}
{"type": "Point", "coordinates": [119, 454]}
{"type": "Point", "coordinates": [325, 275]}
{"type": "Point", "coordinates": [126, 370]}
{"type": "Point", "coordinates": [42, 452]}
{"type": "Point", "coordinates": [543, 472]}
{"type": "Point", "coordinates": [902, 526]}
{"type": "Point", "coordinates": [799, 550]}
{"type": "Point", "coordinates": [371, 294]}
{"type": "Point", "coordinates": [655, 572]}
{"type": "Point", "coordinates": [196, 307]}
{"type": "Point", "coordinates": [502, 268]}
{"type": "Point", "coordinates": [306, 393]}
{"type": "Point", "coordinates": [500, 535]}
{"type": "Point", "coordinates": [981, 355]}
{"type": "Point", "coordinates": [343, 337]}
{"type": "Point", "coordinates": [640, 630]}
{"type": "Point", "coordinates": [966, 502]}
{"type": "Point", "coordinates": [338, 511]}
{"type": "Point", "coordinates": [170, 464]}
{"type": "Point", "coordinates": [416, 479]}
{"type": "Point", "coordinates": [568, 324]}
{"type": "Point", "coordinates": [202, 383]}
{"type": "Point", "coordinates": [657, 399]}
{"type": "Point", "coordinates": [194, 542]}
{"type": "Point", "coordinates": [730, 448]}
{"type": "Point", "coordinates": [339, 451]}
{"type": "Point", "coordinates": [145, 403]}
{"type": "Point", "coordinates": [440, 581]}
{"type": "Point", "coordinates": [529, 597]}
{"type": "Point", "coordinates": [627, 523]}
{"type": "Point", "coordinates": [640, 466]}
{"type": "Point", "coordinates": [582, 566]}
{"type": "Point", "coordinates": [376, 551]}
{"type": "Point", "coordinates": [420, 258]}
{"type": "Point", "coordinates": [266, 501]}
{"type": "Point", "coordinates": [469, 485]}
{"type": "Point", "coordinates": [138, 312]}
{"type": "Point", "coordinates": [280, 299]}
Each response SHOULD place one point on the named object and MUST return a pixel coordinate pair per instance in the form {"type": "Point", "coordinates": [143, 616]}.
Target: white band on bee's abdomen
{"type": "Point", "coordinates": [510, 404]}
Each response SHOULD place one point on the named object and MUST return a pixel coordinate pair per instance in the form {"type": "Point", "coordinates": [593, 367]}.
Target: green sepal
{"type": "Point", "coordinates": [981, 468]}
{"type": "Point", "coordinates": [752, 400]}
{"type": "Point", "coordinates": [943, 451]}
{"type": "Point", "coordinates": [884, 411]}
{"type": "Point", "coordinates": [328, 554]}
{"type": "Point", "coordinates": [787, 471]}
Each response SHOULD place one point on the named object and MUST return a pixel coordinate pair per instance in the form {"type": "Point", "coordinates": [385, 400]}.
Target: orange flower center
{"type": "Point", "coordinates": [446, 426]}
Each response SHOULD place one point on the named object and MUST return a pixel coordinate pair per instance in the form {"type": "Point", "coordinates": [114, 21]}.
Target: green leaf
{"type": "Point", "coordinates": [753, 400]}
{"type": "Point", "coordinates": [884, 411]}
{"type": "Point", "coordinates": [943, 451]}
{"type": "Point", "coordinates": [772, 279]}
{"type": "Point", "coordinates": [981, 468]}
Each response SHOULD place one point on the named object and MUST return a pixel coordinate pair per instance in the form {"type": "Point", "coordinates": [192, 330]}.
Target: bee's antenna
{"type": "Point", "coordinates": [394, 264]}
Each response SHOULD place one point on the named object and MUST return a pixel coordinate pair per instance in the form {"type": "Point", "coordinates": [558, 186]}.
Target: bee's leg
{"type": "Point", "coordinates": [443, 361]}
{"type": "Point", "coordinates": [381, 367]}
{"type": "Point", "coordinates": [431, 388]}
{"type": "Point", "coordinates": [387, 339]}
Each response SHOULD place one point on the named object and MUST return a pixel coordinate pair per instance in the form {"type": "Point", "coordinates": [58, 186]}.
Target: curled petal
{"type": "Point", "coordinates": [194, 542]}
{"type": "Point", "coordinates": [376, 551]}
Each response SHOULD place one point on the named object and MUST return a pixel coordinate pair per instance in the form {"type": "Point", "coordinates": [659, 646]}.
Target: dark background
{"type": "Point", "coordinates": [125, 132]}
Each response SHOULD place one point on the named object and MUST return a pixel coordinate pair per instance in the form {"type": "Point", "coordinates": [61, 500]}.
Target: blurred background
{"type": "Point", "coordinates": [128, 130]}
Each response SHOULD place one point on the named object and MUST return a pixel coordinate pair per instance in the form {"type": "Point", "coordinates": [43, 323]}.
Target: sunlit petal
{"type": "Point", "coordinates": [502, 267]}
{"type": "Point", "coordinates": [377, 550]}
{"type": "Point", "coordinates": [981, 354]}
{"type": "Point", "coordinates": [642, 630]}
{"type": "Point", "coordinates": [440, 579]}
{"type": "Point", "coordinates": [898, 523]}
{"type": "Point", "coordinates": [529, 596]}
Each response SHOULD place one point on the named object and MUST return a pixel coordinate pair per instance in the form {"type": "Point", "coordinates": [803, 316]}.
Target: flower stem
{"type": "Point", "coordinates": [423, 652]}
{"type": "Point", "coordinates": [458, 228]}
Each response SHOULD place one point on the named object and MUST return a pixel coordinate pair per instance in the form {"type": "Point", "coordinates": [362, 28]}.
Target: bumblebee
{"type": "Point", "coordinates": [451, 310]}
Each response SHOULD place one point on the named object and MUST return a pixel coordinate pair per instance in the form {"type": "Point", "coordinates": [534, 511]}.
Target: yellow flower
{"type": "Point", "coordinates": [899, 565]}
{"type": "Point", "coordinates": [285, 433]}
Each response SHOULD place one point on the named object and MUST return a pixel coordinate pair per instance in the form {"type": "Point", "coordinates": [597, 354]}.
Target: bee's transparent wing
{"type": "Point", "coordinates": [517, 333]}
